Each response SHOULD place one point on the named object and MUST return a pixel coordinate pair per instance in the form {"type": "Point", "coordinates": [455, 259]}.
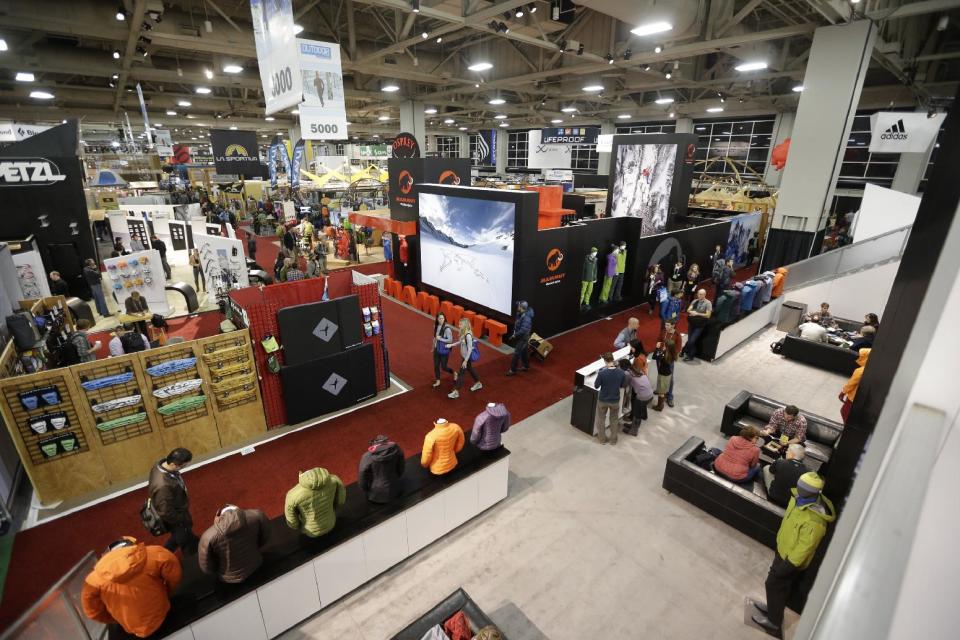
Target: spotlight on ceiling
{"type": "Point", "coordinates": [668, 75]}
{"type": "Point", "coordinates": [232, 68]}
{"type": "Point", "coordinates": [480, 66]}
{"type": "Point", "coordinates": [430, 110]}
{"type": "Point", "coordinates": [657, 49]}
{"type": "Point", "coordinates": [651, 28]}
{"type": "Point", "coordinates": [390, 87]}
{"type": "Point", "coordinates": [143, 52]}
{"type": "Point", "coordinates": [121, 14]}
{"type": "Point", "coordinates": [798, 88]}
{"type": "Point", "coordinates": [664, 100]}
{"type": "Point", "coordinates": [424, 35]}
{"type": "Point", "coordinates": [673, 115]}
{"type": "Point", "coordinates": [496, 101]}
{"type": "Point", "coordinates": [518, 13]}
{"type": "Point", "coordinates": [504, 28]}
{"type": "Point", "coordinates": [207, 72]}
{"type": "Point", "coordinates": [609, 58]}
{"type": "Point", "coordinates": [593, 88]}
{"type": "Point", "coordinates": [751, 66]}
{"type": "Point", "coordinates": [116, 54]}
{"type": "Point", "coordinates": [41, 95]}
{"type": "Point", "coordinates": [415, 6]}
{"type": "Point", "coordinates": [439, 39]}
{"type": "Point", "coordinates": [531, 8]}
{"type": "Point", "coordinates": [24, 76]}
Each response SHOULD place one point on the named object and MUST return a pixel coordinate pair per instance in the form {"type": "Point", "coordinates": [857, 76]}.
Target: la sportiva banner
{"type": "Point", "coordinates": [235, 152]}
{"type": "Point", "coordinates": [277, 53]}
{"type": "Point", "coordinates": [323, 114]}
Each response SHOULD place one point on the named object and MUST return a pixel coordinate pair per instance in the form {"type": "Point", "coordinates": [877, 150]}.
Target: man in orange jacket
{"type": "Point", "coordinates": [131, 586]}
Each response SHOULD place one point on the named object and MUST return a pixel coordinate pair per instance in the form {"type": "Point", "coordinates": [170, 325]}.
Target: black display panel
{"type": "Point", "coordinates": [310, 331]}
{"type": "Point", "coordinates": [351, 321]}
{"type": "Point", "coordinates": [315, 388]}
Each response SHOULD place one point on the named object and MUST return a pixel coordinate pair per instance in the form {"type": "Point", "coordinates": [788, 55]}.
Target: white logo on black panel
{"type": "Point", "coordinates": [29, 171]}
{"type": "Point", "coordinates": [335, 384]}
{"type": "Point", "coordinates": [325, 329]}
{"type": "Point", "coordinates": [895, 132]}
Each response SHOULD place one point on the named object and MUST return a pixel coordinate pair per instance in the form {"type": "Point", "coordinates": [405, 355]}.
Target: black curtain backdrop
{"type": "Point", "coordinates": [784, 247]}
{"type": "Point", "coordinates": [66, 241]}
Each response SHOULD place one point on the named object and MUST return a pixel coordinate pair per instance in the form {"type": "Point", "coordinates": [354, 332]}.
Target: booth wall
{"type": "Point", "coordinates": [851, 296]}
{"type": "Point", "coordinates": [883, 210]}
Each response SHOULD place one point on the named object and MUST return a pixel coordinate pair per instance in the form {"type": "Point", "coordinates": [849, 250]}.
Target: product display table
{"type": "Point", "coordinates": [300, 575]}
{"type": "Point", "coordinates": [584, 410]}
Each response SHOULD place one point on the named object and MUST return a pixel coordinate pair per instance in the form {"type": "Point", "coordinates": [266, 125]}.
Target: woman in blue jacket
{"type": "Point", "coordinates": [442, 337]}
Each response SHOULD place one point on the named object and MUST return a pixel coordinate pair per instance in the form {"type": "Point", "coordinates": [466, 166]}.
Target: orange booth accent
{"type": "Point", "coordinates": [551, 206]}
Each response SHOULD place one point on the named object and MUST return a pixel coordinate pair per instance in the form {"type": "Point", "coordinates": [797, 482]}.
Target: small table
{"type": "Point", "coordinates": [584, 410]}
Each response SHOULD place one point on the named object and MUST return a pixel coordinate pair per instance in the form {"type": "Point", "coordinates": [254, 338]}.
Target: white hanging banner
{"type": "Point", "coordinates": [323, 114]}
{"type": "Point", "coordinates": [277, 53]}
{"type": "Point", "coordinates": [546, 156]}
{"type": "Point", "coordinates": [605, 143]}
{"type": "Point", "coordinates": [898, 132]}
{"type": "Point", "coordinates": [164, 143]}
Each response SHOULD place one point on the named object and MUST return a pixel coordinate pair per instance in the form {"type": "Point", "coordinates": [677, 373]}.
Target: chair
{"type": "Point", "coordinates": [551, 211]}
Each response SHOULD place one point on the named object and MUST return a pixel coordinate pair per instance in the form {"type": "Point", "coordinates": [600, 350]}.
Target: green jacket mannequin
{"type": "Point", "coordinates": [310, 506]}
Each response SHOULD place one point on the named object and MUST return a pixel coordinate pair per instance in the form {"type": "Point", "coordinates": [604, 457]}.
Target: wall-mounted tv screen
{"type": "Point", "coordinates": [466, 248]}
{"type": "Point", "coordinates": [642, 183]}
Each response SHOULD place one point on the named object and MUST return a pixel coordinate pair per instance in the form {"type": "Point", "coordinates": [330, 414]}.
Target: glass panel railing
{"type": "Point", "coordinates": [852, 257]}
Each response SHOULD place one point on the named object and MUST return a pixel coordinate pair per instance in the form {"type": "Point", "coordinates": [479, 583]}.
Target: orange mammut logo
{"type": "Point", "coordinates": [449, 177]}
{"type": "Point", "coordinates": [554, 258]}
{"type": "Point", "coordinates": [406, 182]}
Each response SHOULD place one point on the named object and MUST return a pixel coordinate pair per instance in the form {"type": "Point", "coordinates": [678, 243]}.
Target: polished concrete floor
{"type": "Point", "coordinates": [587, 544]}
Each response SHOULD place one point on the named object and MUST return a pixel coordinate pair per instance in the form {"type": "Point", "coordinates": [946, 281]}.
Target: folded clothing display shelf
{"type": "Point", "coordinates": [300, 576]}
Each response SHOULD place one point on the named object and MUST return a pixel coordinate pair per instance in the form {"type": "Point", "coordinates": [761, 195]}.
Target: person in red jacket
{"type": "Point", "coordinates": [671, 334]}
{"type": "Point", "coordinates": [131, 586]}
{"type": "Point", "coordinates": [740, 460]}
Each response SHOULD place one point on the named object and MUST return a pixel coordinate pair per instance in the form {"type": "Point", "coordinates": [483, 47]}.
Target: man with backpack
{"type": "Point", "coordinates": [168, 497]}
{"type": "Point", "coordinates": [128, 340]}
{"type": "Point", "coordinates": [78, 348]}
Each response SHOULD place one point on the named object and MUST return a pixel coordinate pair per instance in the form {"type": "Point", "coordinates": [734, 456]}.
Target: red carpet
{"type": "Point", "coordinates": [189, 327]}
{"type": "Point", "coordinates": [42, 554]}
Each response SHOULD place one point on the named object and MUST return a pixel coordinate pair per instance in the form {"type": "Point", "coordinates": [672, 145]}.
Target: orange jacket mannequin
{"type": "Point", "coordinates": [132, 586]}
{"type": "Point", "coordinates": [779, 280]}
{"type": "Point", "coordinates": [850, 388]}
{"type": "Point", "coordinates": [440, 447]}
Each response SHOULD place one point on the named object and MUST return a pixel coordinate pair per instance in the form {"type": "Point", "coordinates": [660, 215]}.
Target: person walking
{"type": "Point", "coordinates": [230, 548]}
{"type": "Point", "coordinates": [198, 281]}
{"type": "Point", "coordinates": [130, 586]}
{"type": "Point", "coordinates": [665, 356]}
{"type": "Point", "coordinates": [610, 379]}
{"type": "Point", "coordinates": [522, 328]}
{"type": "Point", "coordinates": [168, 494]}
{"type": "Point", "coordinates": [161, 247]}
{"type": "Point", "coordinates": [252, 246]}
{"type": "Point", "coordinates": [698, 313]}
{"type": "Point", "coordinates": [652, 286]}
{"type": "Point", "coordinates": [467, 345]}
{"type": "Point", "coordinates": [91, 273]}
{"type": "Point", "coordinates": [669, 333]}
{"type": "Point", "coordinates": [442, 339]}
{"type": "Point", "coordinates": [803, 527]}
{"type": "Point", "coordinates": [671, 308]}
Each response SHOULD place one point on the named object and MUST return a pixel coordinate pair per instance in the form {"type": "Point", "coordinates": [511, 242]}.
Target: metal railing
{"type": "Point", "coordinates": [848, 259]}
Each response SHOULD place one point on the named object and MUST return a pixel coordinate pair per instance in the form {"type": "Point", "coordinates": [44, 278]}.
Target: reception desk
{"type": "Point", "coordinates": [584, 410]}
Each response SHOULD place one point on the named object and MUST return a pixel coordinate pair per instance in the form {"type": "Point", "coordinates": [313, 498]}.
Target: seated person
{"type": "Point", "coordinates": [872, 320]}
{"type": "Point", "coordinates": [865, 341]}
{"type": "Point", "coordinates": [136, 304]}
{"type": "Point", "coordinates": [128, 339]}
{"type": "Point", "coordinates": [826, 319]}
{"type": "Point", "coordinates": [813, 330]}
{"type": "Point", "coordinates": [781, 477]}
{"type": "Point", "coordinates": [740, 460]}
{"type": "Point", "coordinates": [787, 422]}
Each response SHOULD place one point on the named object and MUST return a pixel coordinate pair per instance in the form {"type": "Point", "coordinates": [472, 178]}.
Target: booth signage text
{"type": "Point", "coordinates": [569, 135]}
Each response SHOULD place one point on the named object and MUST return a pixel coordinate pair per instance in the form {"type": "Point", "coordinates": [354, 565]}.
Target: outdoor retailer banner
{"type": "Point", "coordinates": [898, 132]}
{"type": "Point", "coordinates": [323, 114]}
{"type": "Point", "coordinates": [277, 53]}
{"type": "Point", "coordinates": [235, 152]}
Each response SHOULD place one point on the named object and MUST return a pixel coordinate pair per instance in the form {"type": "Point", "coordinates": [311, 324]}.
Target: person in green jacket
{"type": "Point", "coordinates": [803, 527]}
{"type": "Point", "coordinates": [615, 295]}
{"type": "Point", "coordinates": [310, 506]}
{"type": "Point", "coordinates": [588, 278]}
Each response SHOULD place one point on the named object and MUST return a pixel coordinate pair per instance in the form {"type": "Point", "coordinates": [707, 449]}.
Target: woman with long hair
{"type": "Point", "coordinates": [652, 286]}
{"type": "Point", "coordinates": [665, 356]}
{"type": "Point", "coordinates": [692, 282]}
{"type": "Point", "coordinates": [194, 260]}
{"type": "Point", "coordinates": [466, 343]}
{"type": "Point", "coordinates": [442, 338]}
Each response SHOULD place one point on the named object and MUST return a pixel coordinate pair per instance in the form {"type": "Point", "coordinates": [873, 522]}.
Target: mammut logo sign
{"type": "Point", "coordinates": [449, 177]}
{"type": "Point", "coordinates": [895, 132]}
{"type": "Point", "coordinates": [406, 182]}
{"type": "Point", "coordinates": [29, 172]}
{"type": "Point", "coordinates": [554, 258]}
{"type": "Point", "coordinates": [335, 384]}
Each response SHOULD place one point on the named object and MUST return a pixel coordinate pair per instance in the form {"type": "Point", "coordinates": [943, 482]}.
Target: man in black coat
{"type": "Point", "coordinates": [161, 248]}
{"type": "Point", "coordinates": [780, 478]}
{"type": "Point", "coordinates": [168, 493]}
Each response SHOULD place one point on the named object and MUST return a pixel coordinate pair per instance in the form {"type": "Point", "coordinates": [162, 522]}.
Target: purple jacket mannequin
{"type": "Point", "coordinates": [611, 264]}
{"type": "Point", "coordinates": [487, 427]}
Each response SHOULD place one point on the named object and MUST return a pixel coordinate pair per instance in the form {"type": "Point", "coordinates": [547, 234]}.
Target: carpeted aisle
{"type": "Point", "coordinates": [42, 554]}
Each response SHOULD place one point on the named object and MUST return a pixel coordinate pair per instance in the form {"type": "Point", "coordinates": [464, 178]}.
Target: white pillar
{"type": "Point", "coordinates": [603, 159]}
{"type": "Point", "coordinates": [782, 129]}
{"type": "Point", "coordinates": [684, 125]}
{"type": "Point", "coordinates": [411, 121]}
{"type": "Point", "coordinates": [503, 145]}
{"type": "Point", "coordinates": [464, 144]}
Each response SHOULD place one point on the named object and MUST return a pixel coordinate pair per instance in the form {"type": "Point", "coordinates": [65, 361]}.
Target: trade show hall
{"type": "Point", "coordinates": [501, 319]}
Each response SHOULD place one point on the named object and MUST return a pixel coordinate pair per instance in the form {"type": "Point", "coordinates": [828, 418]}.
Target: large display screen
{"type": "Point", "coordinates": [466, 248]}
{"type": "Point", "coordinates": [642, 182]}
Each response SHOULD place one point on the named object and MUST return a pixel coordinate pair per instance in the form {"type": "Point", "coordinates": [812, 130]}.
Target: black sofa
{"type": "Point", "coordinates": [744, 507]}
{"type": "Point", "coordinates": [456, 601]}
{"type": "Point", "coordinates": [820, 354]}
{"type": "Point", "coordinates": [750, 410]}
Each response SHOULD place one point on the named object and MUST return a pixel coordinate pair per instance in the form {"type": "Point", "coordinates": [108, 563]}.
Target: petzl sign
{"type": "Point", "coordinates": [898, 132]}
{"type": "Point", "coordinates": [569, 135]}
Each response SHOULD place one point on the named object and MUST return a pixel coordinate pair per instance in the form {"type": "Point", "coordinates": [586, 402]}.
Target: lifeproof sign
{"type": "Point", "coordinates": [569, 135]}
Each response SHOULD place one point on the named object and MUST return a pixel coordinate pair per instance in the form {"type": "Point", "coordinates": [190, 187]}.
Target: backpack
{"type": "Point", "coordinates": [151, 519]}
{"type": "Point", "coordinates": [69, 354]}
{"type": "Point", "coordinates": [777, 346]}
{"type": "Point", "coordinates": [475, 352]}
{"type": "Point", "coordinates": [132, 342]}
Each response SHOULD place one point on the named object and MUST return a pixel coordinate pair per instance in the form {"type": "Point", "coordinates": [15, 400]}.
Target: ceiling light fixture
{"type": "Point", "coordinates": [531, 8]}
{"type": "Point", "coordinates": [24, 76]}
{"type": "Point", "coordinates": [673, 115]}
{"type": "Point", "coordinates": [623, 116]}
{"type": "Point", "coordinates": [232, 68]}
{"type": "Point", "coordinates": [390, 87]}
{"type": "Point", "coordinates": [568, 109]}
{"type": "Point", "coordinates": [462, 128]}
{"type": "Point", "coordinates": [449, 121]}
{"type": "Point", "coordinates": [184, 103]}
{"type": "Point", "coordinates": [297, 29]}
{"type": "Point", "coordinates": [415, 6]}
{"type": "Point", "coordinates": [116, 54]}
{"type": "Point", "coordinates": [203, 90]}
{"type": "Point", "coordinates": [664, 100]}
{"type": "Point", "coordinates": [295, 111]}
{"type": "Point", "coordinates": [496, 101]}
{"type": "Point", "coordinates": [115, 76]}
{"type": "Point", "coordinates": [504, 28]}
{"type": "Point", "coordinates": [556, 121]}
{"type": "Point", "coordinates": [269, 118]}
{"type": "Point", "coordinates": [518, 13]}
{"type": "Point", "coordinates": [751, 66]}
{"type": "Point", "coordinates": [430, 110]}
{"type": "Point", "coordinates": [143, 52]}
{"type": "Point", "coordinates": [439, 39]}
{"type": "Point", "coordinates": [715, 110]}
{"type": "Point", "coordinates": [609, 58]}
{"type": "Point", "coordinates": [121, 14]}
{"type": "Point", "coordinates": [657, 49]}
{"type": "Point", "coordinates": [41, 95]}
{"type": "Point", "coordinates": [424, 35]}
{"type": "Point", "coordinates": [500, 116]}
{"type": "Point", "coordinates": [232, 128]}
{"type": "Point", "coordinates": [480, 66]}
{"type": "Point", "coordinates": [593, 88]}
{"type": "Point", "coordinates": [668, 75]}
{"type": "Point", "coordinates": [651, 28]}
{"type": "Point", "coordinates": [171, 113]}
{"type": "Point", "coordinates": [798, 88]}
{"type": "Point", "coordinates": [383, 118]}
{"type": "Point", "coordinates": [504, 124]}
{"type": "Point", "coordinates": [208, 73]}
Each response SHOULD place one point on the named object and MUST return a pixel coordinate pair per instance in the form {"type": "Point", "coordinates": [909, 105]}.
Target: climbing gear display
{"type": "Point", "coordinates": [42, 397]}
{"type": "Point", "coordinates": [171, 366]}
{"type": "Point", "coordinates": [182, 404]}
{"type": "Point", "coordinates": [118, 403]}
{"type": "Point", "coordinates": [178, 388]}
{"type": "Point", "coordinates": [122, 421]}
{"type": "Point", "coordinates": [107, 381]}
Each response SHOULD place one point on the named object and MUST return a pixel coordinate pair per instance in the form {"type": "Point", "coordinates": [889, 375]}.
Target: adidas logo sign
{"type": "Point", "coordinates": [895, 132]}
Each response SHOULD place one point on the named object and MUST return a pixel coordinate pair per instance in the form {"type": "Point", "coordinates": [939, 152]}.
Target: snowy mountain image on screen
{"type": "Point", "coordinates": [466, 248]}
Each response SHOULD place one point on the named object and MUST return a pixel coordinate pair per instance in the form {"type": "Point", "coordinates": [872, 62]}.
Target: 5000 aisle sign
{"type": "Point", "coordinates": [324, 128]}
{"type": "Point", "coordinates": [281, 82]}
{"type": "Point", "coordinates": [30, 172]}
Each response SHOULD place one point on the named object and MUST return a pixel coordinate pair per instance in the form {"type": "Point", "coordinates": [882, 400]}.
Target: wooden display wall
{"type": "Point", "coordinates": [86, 453]}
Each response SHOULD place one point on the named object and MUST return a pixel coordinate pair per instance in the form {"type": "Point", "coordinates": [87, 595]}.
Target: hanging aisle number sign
{"type": "Point", "coordinates": [323, 114]}
{"type": "Point", "coordinates": [277, 54]}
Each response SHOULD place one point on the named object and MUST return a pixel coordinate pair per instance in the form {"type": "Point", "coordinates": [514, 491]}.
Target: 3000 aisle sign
{"type": "Point", "coordinates": [324, 128]}
{"type": "Point", "coordinates": [282, 82]}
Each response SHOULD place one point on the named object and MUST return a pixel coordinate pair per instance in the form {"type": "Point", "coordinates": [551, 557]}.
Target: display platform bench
{"type": "Point", "coordinates": [459, 600]}
{"type": "Point", "coordinates": [301, 576]}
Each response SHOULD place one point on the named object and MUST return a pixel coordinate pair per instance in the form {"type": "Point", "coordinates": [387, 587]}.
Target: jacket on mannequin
{"type": "Point", "coordinates": [493, 421]}
{"type": "Point", "coordinates": [311, 506]}
{"type": "Point", "coordinates": [440, 447]}
{"type": "Point", "coordinates": [381, 470]}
